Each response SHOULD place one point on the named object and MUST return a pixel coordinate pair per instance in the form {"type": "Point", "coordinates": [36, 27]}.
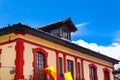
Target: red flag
{"type": "Point", "coordinates": [58, 77]}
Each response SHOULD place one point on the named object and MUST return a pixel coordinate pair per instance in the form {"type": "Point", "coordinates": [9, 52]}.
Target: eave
{"type": "Point", "coordinates": [47, 36]}
{"type": "Point", "coordinates": [59, 23]}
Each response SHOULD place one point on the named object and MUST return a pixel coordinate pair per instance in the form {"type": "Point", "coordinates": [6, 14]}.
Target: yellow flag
{"type": "Point", "coordinates": [68, 76]}
{"type": "Point", "coordinates": [51, 69]}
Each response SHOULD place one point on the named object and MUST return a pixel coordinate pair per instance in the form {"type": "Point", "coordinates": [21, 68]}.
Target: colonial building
{"type": "Point", "coordinates": [25, 50]}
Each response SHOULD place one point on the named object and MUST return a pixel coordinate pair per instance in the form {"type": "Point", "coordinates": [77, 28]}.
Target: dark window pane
{"type": "Point", "coordinates": [106, 75]}
{"type": "Point", "coordinates": [70, 67]}
{"type": "Point", "coordinates": [60, 65]}
{"type": "Point", "coordinates": [40, 64]}
{"type": "Point", "coordinates": [79, 71]}
{"type": "Point", "coordinates": [39, 61]}
{"type": "Point", "coordinates": [93, 73]}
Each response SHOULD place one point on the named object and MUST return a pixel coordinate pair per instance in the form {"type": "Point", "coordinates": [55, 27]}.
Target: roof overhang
{"type": "Point", "coordinates": [59, 23]}
{"type": "Point", "coordinates": [25, 28]}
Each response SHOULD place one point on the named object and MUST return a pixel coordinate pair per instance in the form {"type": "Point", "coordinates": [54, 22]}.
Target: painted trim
{"type": "Point", "coordinates": [33, 43]}
{"type": "Point", "coordinates": [0, 64]}
{"type": "Point", "coordinates": [65, 53]}
{"type": "Point", "coordinates": [0, 58]}
{"type": "Point", "coordinates": [106, 69]}
{"type": "Point", "coordinates": [48, 73]}
{"type": "Point", "coordinates": [65, 60]}
{"type": "Point", "coordinates": [19, 32]}
{"type": "Point", "coordinates": [19, 62]}
{"type": "Point", "coordinates": [7, 42]}
{"type": "Point", "coordinates": [0, 51]}
{"type": "Point", "coordinates": [82, 67]}
{"type": "Point", "coordinates": [59, 51]}
{"type": "Point", "coordinates": [35, 50]}
{"type": "Point", "coordinates": [93, 65]}
{"type": "Point", "coordinates": [76, 68]}
{"type": "Point", "coordinates": [40, 34]}
{"type": "Point", "coordinates": [57, 62]}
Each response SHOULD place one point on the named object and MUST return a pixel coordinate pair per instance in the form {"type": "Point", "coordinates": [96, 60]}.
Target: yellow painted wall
{"type": "Point", "coordinates": [65, 49]}
{"type": "Point", "coordinates": [70, 51]}
{"type": "Point", "coordinates": [111, 75]}
{"type": "Point", "coordinates": [8, 56]}
{"type": "Point", "coordinates": [28, 59]}
{"type": "Point", "coordinates": [7, 37]}
{"type": "Point", "coordinates": [100, 73]}
{"type": "Point", "coordinates": [51, 58]}
{"type": "Point", "coordinates": [7, 61]}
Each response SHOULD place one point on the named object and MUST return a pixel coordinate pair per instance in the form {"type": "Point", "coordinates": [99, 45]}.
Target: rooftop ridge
{"type": "Point", "coordinates": [63, 20]}
{"type": "Point", "coordinates": [43, 34]}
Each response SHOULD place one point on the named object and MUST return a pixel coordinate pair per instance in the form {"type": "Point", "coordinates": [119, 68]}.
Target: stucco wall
{"type": "Point", "coordinates": [100, 72]}
{"type": "Point", "coordinates": [8, 55]}
{"type": "Point", "coordinates": [28, 59]}
{"type": "Point", "coordinates": [65, 49]}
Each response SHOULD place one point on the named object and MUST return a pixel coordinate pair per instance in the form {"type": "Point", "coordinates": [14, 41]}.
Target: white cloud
{"type": "Point", "coordinates": [82, 24]}
{"type": "Point", "coordinates": [117, 40]}
{"type": "Point", "coordinates": [81, 29]}
{"type": "Point", "coordinates": [112, 51]}
{"type": "Point", "coordinates": [117, 36]}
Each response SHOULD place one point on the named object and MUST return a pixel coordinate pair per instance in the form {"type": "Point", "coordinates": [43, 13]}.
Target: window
{"type": "Point", "coordinates": [93, 72]}
{"type": "Point", "coordinates": [66, 34]}
{"type": "Point", "coordinates": [63, 32]}
{"type": "Point", "coordinates": [56, 32]}
{"type": "Point", "coordinates": [39, 61]}
{"type": "Point", "coordinates": [70, 67]}
{"type": "Point", "coordinates": [79, 77]}
{"type": "Point", "coordinates": [40, 64]}
{"type": "Point", "coordinates": [60, 65]}
{"type": "Point", "coordinates": [106, 74]}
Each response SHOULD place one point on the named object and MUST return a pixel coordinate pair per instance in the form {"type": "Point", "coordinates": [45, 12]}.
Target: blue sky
{"type": "Point", "coordinates": [98, 21]}
{"type": "Point", "coordinates": [101, 17]}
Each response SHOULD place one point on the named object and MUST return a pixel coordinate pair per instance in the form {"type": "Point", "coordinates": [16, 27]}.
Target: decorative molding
{"type": "Point", "coordinates": [0, 51]}
{"type": "Point", "coordinates": [62, 52]}
{"type": "Point", "coordinates": [0, 65]}
{"type": "Point", "coordinates": [76, 68]}
{"type": "Point", "coordinates": [57, 61]}
{"type": "Point", "coordinates": [64, 59]}
{"type": "Point", "coordinates": [0, 58]}
{"type": "Point", "coordinates": [35, 50]}
{"type": "Point", "coordinates": [20, 32]}
{"type": "Point", "coordinates": [19, 62]}
{"type": "Point", "coordinates": [93, 65]}
{"type": "Point", "coordinates": [82, 67]}
{"type": "Point", "coordinates": [104, 70]}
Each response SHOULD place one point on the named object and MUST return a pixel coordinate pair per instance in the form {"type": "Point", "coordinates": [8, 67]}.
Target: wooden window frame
{"type": "Point", "coordinates": [35, 50]}
{"type": "Point", "coordinates": [104, 70]}
{"type": "Point", "coordinates": [96, 72]}
{"type": "Point", "coordinates": [60, 64]}
{"type": "Point", "coordinates": [79, 70]}
{"type": "Point", "coordinates": [70, 65]}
